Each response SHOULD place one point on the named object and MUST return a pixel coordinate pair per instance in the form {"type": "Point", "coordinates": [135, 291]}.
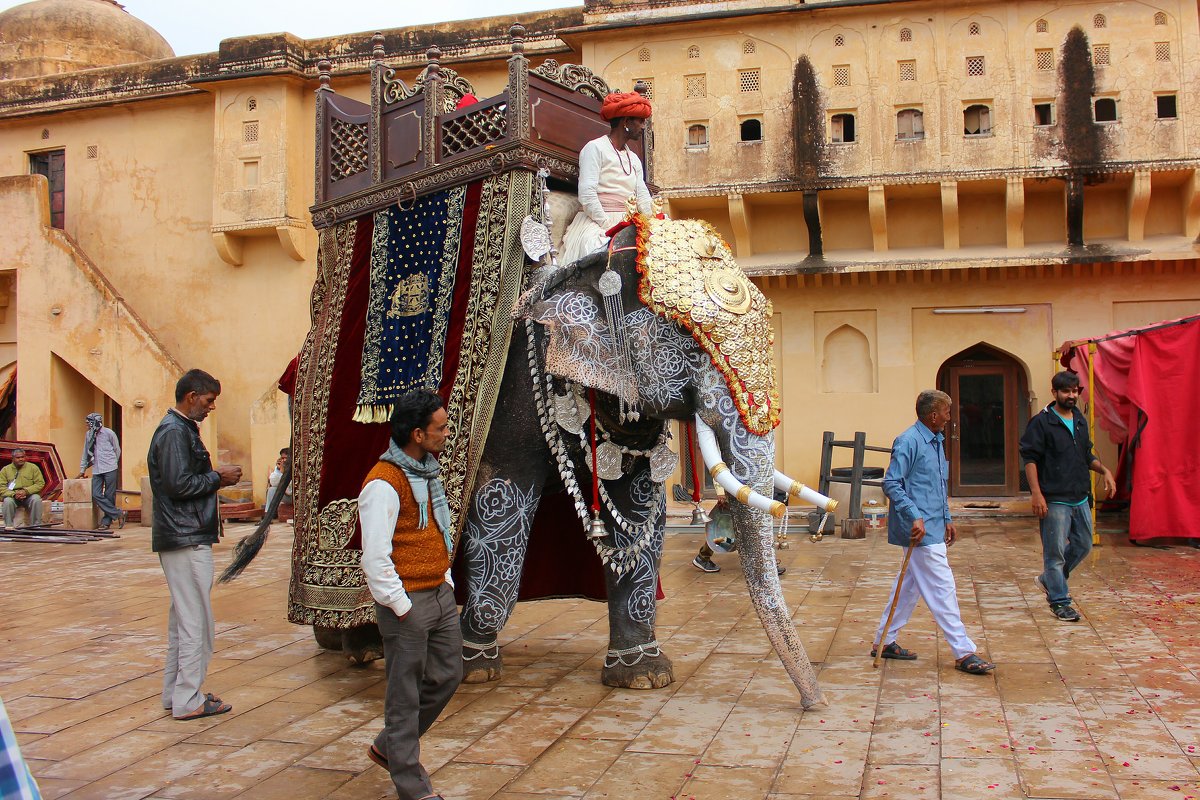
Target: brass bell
{"type": "Point", "coordinates": [596, 530]}
{"type": "Point", "coordinates": [699, 516]}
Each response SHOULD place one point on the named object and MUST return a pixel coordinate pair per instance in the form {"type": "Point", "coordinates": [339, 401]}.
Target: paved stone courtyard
{"type": "Point", "coordinates": [1106, 708]}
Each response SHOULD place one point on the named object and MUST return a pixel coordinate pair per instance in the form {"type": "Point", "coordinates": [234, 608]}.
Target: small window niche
{"type": "Point", "coordinates": [751, 130]}
{"type": "Point", "coordinates": [841, 128]}
{"type": "Point", "coordinates": [910, 125]}
{"type": "Point", "coordinates": [1043, 113]}
{"type": "Point", "coordinates": [1166, 106]}
{"type": "Point", "coordinates": [250, 174]}
{"type": "Point", "coordinates": [977, 120]}
{"type": "Point", "coordinates": [697, 136]}
{"type": "Point", "coordinates": [1105, 109]}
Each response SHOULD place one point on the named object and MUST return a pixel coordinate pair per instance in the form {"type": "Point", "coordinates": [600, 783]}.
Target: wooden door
{"type": "Point", "coordinates": [983, 433]}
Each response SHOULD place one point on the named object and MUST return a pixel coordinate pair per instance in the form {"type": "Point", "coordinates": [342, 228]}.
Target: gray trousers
{"type": "Point", "coordinates": [104, 494]}
{"type": "Point", "coordinates": [33, 502]}
{"type": "Point", "coordinates": [190, 627]}
{"type": "Point", "coordinates": [423, 655]}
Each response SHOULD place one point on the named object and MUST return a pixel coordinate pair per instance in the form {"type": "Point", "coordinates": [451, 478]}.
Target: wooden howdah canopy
{"type": "Point", "coordinates": [415, 140]}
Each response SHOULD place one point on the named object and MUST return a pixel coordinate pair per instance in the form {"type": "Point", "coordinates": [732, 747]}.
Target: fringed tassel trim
{"type": "Point", "coordinates": [369, 414]}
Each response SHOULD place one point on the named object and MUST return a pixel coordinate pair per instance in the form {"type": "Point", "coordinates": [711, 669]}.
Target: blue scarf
{"type": "Point", "coordinates": [426, 488]}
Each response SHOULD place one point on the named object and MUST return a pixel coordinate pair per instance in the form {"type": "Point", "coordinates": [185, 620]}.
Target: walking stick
{"type": "Point", "coordinates": [895, 599]}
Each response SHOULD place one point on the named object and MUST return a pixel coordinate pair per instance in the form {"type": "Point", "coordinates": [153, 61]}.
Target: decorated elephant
{"type": "Point", "coordinates": [662, 326]}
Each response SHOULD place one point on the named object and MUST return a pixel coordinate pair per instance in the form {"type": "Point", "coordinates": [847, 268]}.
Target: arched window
{"type": "Point", "coordinates": [839, 41]}
{"type": "Point", "coordinates": [697, 135]}
{"type": "Point", "coordinates": [1043, 26]}
{"type": "Point", "coordinates": [910, 124]}
{"type": "Point", "coordinates": [906, 34]}
{"type": "Point", "coordinates": [644, 54]}
{"type": "Point", "coordinates": [977, 120]}
{"type": "Point", "coordinates": [749, 48]}
{"type": "Point", "coordinates": [751, 130]}
{"type": "Point", "coordinates": [1106, 109]}
{"type": "Point", "coordinates": [1099, 21]}
{"type": "Point", "coordinates": [693, 52]}
{"type": "Point", "coordinates": [973, 29]}
{"type": "Point", "coordinates": [1160, 18]}
{"type": "Point", "coordinates": [841, 128]}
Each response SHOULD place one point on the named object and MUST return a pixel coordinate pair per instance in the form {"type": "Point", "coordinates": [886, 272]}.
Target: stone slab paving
{"type": "Point", "coordinates": [1106, 708]}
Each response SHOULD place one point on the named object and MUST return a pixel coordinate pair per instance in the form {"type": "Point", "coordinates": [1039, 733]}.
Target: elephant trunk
{"type": "Point", "coordinates": [749, 460]}
{"type": "Point", "coordinates": [756, 542]}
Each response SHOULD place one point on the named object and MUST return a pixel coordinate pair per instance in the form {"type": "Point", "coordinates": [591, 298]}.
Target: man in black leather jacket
{"type": "Point", "coordinates": [185, 527]}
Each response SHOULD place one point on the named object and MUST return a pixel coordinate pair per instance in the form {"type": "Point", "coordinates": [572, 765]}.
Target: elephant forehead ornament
{"type": "Point", "coordinates": [688, 275]}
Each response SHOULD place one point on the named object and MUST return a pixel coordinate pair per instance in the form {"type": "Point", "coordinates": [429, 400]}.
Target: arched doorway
{"type": "Point", "coordinates": [989, 390]}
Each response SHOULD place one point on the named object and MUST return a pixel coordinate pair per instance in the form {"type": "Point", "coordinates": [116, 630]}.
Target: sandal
{"type": "Point", "coordinates": [894, 650]}
{"type": "Point", "coordinates": [378, 757]}
{"type": "Point", "coordinates": [209, 708]}
{"type": "Point", "coordinates": [974, 665]}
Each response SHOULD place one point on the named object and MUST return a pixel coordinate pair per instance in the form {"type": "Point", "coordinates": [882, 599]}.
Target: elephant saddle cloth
{"type": "Point", "coordinates": [689, 276]}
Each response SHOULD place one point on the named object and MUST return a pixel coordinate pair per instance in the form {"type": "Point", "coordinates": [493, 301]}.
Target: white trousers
{"type": "Point", "coordinates": [928, 578]}
{"type": "Point", "coordinates": [190, 626]}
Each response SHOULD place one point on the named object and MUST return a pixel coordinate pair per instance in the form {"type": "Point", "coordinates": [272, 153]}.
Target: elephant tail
{"type": "Point", "coordinates": [248, 547]}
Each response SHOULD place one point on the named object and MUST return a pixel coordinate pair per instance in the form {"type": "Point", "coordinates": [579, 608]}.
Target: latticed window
{"type": "Point", "coordinates": [975, 66]}
{"type": "Point", "coordinates": [1100, 55]}
{"type": "Point", "coordinates": [1160, 18]}
{"type": "Point", "coordinates": [697, 86]}
{"type": "Point", "coordinates": [977, 120]}
{"type": "Point", "coordinates": [906, 34]}
{"type": "Point", "coordinates": [649, 83]}
{"type": "Point", "coordinates": [250, 131]}
{"type": "Point", "coordinates": [749, 80]}
{"type": "Point", "coordinates": [1043, 26]}
{"type": "Point", "coordinates": [1043, 59]}
{"type": "Point", "coordinates": [1162, 51]}
{"type": "Point", "coordinates": [973, 29]}
{"type": "Point", "coordinates": [749, 48]}
{"type": "Point", "coordinates": [1099, 21]}
{"type": "Point", "coordinates": [839, 41]}
{"type": "Point", "coordinates": [841, 75]}
{"type": "Point", "coordinates": [644, 54]}
{"type": "Point", "coordinates": [93, 151]}
{"type": "Point", "coordinates": [908, 70]}
{"type": "Point", "coordinates": [910, 124]}
{"type": "Point", "coordinates": [697, 135]}
{"type": "Point", "coordinates": [693, 52]}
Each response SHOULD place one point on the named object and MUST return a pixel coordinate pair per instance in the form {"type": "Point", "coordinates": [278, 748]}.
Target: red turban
{"type": "Point", "coordinates": [625, 104]}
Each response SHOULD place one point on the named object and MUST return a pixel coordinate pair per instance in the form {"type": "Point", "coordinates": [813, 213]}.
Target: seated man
{"type": "Point", "coordinates": [20, 485]}
{"type": "Point", "coordinates": [276, 477]}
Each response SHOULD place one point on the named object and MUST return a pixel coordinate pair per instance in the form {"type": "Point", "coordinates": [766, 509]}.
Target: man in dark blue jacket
{"type": "Point", "coordinates": [186, 525]}
{"type": "Point", "coordinates": [1057, 452]}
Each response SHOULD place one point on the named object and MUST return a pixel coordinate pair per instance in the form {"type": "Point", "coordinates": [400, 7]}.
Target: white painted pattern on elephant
{"type": "Point", "coordinates": [641, 603]}
{"type": "Point", "coordinates": [580, 345]}
{"type": "Point", "coordinates": [495, 542]}
{"type": "Point", "coordinates": [661, 353]}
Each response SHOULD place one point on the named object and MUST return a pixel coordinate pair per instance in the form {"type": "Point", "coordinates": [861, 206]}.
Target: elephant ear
{"type": "Point", "coordinates": [580, 345]}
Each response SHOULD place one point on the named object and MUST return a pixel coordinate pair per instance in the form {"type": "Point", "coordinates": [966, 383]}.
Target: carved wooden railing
{"type": "Point", "coordinates": [414, 140]}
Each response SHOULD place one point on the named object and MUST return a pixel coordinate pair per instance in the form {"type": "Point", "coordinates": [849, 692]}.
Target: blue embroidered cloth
{"type": "Point", "coordinates": [414, 258]}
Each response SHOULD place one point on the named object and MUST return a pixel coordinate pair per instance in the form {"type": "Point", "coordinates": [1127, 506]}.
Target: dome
{"type": "Point", "coordinates": [48, 37]}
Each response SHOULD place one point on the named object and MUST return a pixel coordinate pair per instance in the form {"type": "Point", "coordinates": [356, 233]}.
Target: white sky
{"type": "Point", "coordinates": [198, 26]}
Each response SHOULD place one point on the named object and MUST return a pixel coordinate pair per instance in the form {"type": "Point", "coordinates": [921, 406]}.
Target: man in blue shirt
{"type": "Point", "coordinates": [1057, 451]}
{"type": "Point", "coordinates": [919, 517]}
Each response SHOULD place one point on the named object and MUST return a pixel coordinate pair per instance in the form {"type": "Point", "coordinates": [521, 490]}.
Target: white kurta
{"type": "Point", "coordinates": [606, 179]}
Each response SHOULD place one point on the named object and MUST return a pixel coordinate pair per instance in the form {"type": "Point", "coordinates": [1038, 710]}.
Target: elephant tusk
{"type": "Point", "coordinates": [724, 476]}
{"type": "Point", "coordinates": [797, 489]}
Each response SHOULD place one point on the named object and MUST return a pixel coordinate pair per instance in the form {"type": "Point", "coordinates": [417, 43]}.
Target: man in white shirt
{"type": "Point", "coordinates": [406, 546]}
{"type": "Point", "coordinates": [102, 452]}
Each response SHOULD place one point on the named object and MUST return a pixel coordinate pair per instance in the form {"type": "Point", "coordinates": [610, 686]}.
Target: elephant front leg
{"type": "Point", "coordinates": [635, 659]}
{"type": "Point", "coordinates": [494, 546]}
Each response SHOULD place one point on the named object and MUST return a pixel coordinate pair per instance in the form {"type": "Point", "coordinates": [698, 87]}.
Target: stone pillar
{"type": "Point", "coordinates": [147, 503]}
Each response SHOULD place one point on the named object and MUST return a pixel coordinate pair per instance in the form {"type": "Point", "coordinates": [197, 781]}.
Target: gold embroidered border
{"type": "Point", "coordinates": [311, 409]}
{"type": "Point", "coordinates": [497, 277]}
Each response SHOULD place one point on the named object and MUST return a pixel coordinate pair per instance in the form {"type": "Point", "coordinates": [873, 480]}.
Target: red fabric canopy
{"type": "Point", "coordinates": [1146, 384]}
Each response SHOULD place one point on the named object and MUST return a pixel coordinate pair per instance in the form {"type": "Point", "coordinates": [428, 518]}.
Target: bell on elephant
{"type": "Point", "coordinates": [719, 532]}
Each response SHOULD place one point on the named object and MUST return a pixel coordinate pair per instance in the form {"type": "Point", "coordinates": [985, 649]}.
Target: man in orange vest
{"type": "Point", "coordinates": [406, 545]}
